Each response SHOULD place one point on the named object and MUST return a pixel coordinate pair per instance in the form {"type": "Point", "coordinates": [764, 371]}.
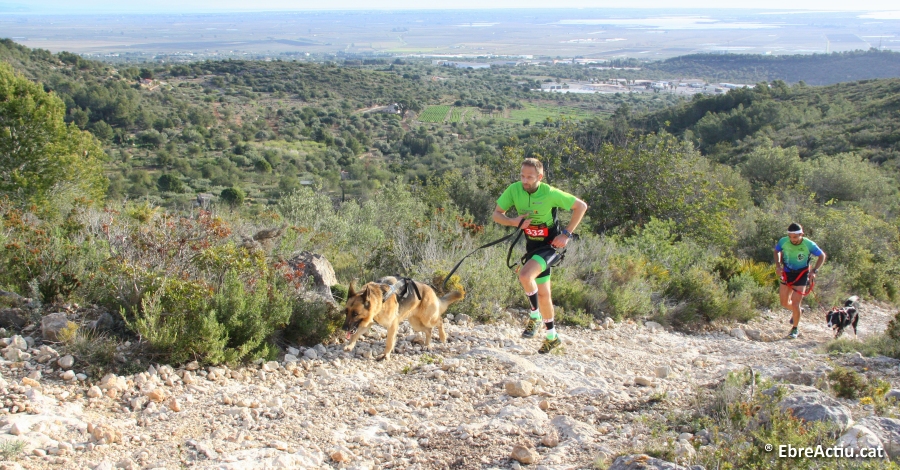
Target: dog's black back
{"type": "Point", "coordinates": [840, 318]}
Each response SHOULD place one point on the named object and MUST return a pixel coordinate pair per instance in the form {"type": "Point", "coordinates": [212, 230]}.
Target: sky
{"type": "Point", "coordinates": [190, 6]}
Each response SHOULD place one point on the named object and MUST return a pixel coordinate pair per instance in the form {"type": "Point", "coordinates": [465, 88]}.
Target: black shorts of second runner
{"type": "Point", "coordinates": [547, 257]}
{"type": "Point", "coordinates": [796, 278]}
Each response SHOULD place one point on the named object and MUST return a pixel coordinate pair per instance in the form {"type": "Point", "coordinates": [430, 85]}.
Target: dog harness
{"type": "Point", "coordinates": [402, 288]}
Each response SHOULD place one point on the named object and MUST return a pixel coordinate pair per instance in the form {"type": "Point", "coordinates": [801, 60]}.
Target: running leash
{"type": "Point", "coordinates": [517, 233]}
{"type": "Point", "coordinates": [805, 270]}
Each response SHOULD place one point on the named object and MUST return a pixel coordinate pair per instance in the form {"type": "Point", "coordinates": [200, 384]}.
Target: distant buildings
{"type": "Point", "coordinates": [393, 108]}
{"type": "Point", "coordinates": [732, 86]}
{"type": "Point", "coordinates": [681, 86]}
{"type": "Point", "coordinates": [463, 65]}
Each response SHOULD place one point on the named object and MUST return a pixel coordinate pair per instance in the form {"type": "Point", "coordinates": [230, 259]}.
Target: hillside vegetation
{"type": "Point", "coordinates": [858, 117]}
{"type": "Point", "coordinates": [813, 69]}
{"type": "Point", "coordinates": [686, 201]}
{"type": "Point", "coordinates": [266, 127]}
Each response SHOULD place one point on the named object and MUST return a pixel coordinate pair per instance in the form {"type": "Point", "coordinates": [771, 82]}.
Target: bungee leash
{"type": "Point", "coordinates": [517, 233]}
{"type": "Point", "coordinates": [800, 274]}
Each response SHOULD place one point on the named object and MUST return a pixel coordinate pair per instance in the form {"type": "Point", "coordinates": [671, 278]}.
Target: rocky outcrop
{"type": "Point", "coordinates": [317, 269]}
{"type": "Point", "coordinates": [15, 318]}
{"type": "Point", "coordinates": [811, 404]}
{"type": "Point", "coordinates": [887, 430]}
{"type": "Point", "coordinates": [645, 462]}
{"type": "Point", "coordinates": [52, 324]}
{"type": "Point", "coordinates": [859, 437]}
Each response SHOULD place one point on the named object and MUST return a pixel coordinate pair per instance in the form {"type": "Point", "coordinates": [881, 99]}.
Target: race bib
{"type": "Point", "coordinates": [537, 231]}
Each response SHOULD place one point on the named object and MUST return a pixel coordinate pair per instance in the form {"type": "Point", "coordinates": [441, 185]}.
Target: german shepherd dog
{"type": "Point", "coordinates": [839, 318]}
{"type": "Point", "coordinates": [419, 304]}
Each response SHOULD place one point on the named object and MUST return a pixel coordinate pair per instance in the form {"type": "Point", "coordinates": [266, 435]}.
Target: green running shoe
{"type": "Point", "coordinates": [532, 327]}
{"type": "Point", "coordinates": [794, 333]}
{"type": "Point", "coordinates": [549, 345]}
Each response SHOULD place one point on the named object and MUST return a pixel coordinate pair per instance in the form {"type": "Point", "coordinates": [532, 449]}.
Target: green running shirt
{"type": "Point", "coordinates": [538, 206]}
{"type": "Point", "coordinates": [796, 257]}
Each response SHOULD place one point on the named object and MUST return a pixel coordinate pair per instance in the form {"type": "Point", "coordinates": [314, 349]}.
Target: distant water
{"type": "Point", "coordinates": [671, 22]}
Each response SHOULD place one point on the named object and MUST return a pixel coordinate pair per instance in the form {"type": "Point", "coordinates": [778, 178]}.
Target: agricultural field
{"type": "Point", "coordinates": [535, 113]}
{"type": "Point", "coordinates": [539, 113]}
{"type": "Point", "coordinates": [456, 114]}
{"type": "Point", "coordinates": [434, 113]}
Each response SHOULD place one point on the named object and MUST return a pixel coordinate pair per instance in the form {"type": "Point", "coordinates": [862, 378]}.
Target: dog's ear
{"type": "Point", "coordinates": [369, 295]}
{"type": "Point", "coordinates": [352, 291]}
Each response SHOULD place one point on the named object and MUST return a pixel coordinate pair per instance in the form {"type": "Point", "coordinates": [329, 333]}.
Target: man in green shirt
{"type": "Point", "coordinates": [792, 261]}
{"type": "Point", "coordinates": [536, 204]}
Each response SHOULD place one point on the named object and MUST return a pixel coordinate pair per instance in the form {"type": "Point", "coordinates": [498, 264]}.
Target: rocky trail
{"type": "Point", "coordinates": [471, 403]}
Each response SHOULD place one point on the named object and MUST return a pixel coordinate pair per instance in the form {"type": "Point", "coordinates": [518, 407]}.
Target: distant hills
{"type": "Point", "coordinates": [815, 69]}
{"type": "Point", "coordinates": [859, 117]}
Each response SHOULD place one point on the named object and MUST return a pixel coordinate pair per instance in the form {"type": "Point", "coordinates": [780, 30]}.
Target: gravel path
{"type": "Point", "coordinates": [465, 404]}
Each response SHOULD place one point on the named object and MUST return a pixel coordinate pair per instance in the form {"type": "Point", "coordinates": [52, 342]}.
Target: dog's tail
{"type": "Point", "coordinates": [450, 298]}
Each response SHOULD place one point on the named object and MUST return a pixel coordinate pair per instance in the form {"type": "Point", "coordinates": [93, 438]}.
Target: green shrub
{"type": "Point", "coordinates": [630, 300]}
{"type": "Point", "coordinates": [250, 309]}
{"type": "Point", "coordinates": [745, 283]}
{"type": "Point", "coordinates": [573, 317]}
{"type": "Point", "coordinates": [865, 246]}
{"type": "Point", "coordinates": [847, 383]}
{"type": "Point", "coordinates": [889, 344]}
{"type": "Point", "coordinates": [876, 345]}
{"type": "Point", "coordinates": [233, 196]}
{"type": "Point", "coordinates": [702, 298]}
{"type": "Point", "coordinates": [490, 287]}
{"type": "Point", "coordinates": [11, 449]}
{"type": "Point", "coordinates": [183, 320]}
{"type": "Point", "coordinates": [174, 321]}
{"type": "Point", "coordinates": [741, 421]}
{"type": "Point", "coordinates": [847, 177]}
{"type": "Point", "coordinates": [167, 182]}
{"type": "Point", "coordinates": [661, 243]}
{"type": "Point", "coordinates": [94, 350]}
{"type": "Point", "coordinates": [55, 258]}
{"type": "Point", "coordinates": [313, 322]}
{"type": "Point", "coordinates": [574, 294]}
{"type": "Point", "coordinates": [339, 292]}
{"type": "Point", "coordinates": [624, 285]}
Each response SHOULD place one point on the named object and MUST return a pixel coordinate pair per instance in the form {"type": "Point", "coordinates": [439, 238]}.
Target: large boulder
{"type": "Point", "coordinates": [105, 322]}
{"type": "Point", "coordinates": [13, 318]}
{"type": "Point", "coordinates": [810, 404]}
{"type": "Point", "coordinates": [859, 437]}
{"type": "Point", "coordinates": [316, 267]}
{"type": "Point", "coordinates": [887, 430]}
{"type": "Point", "coordinates": [52, 324]}
{"type": "Point", "coordinates": [796, 376]}
{"type": "Point", "coordinates": [645, 462]}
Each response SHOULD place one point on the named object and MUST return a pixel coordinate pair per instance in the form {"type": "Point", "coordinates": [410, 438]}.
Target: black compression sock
{"type": "Point", "coordinates": [532, 297]}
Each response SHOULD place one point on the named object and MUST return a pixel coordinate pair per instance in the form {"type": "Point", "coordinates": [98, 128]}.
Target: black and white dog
{"type": "Point", "coordinates": [839, 318]}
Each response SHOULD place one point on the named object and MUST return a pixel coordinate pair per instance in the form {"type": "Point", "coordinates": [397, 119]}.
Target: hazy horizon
{"type": "Point", "coordinates": [553, 32]}
{"type": "Point", "coordinates": [232, 6]}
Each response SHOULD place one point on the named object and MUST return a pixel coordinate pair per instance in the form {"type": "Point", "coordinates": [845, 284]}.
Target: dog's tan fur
{"type": "Point", "coordinates": [366, 306]}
